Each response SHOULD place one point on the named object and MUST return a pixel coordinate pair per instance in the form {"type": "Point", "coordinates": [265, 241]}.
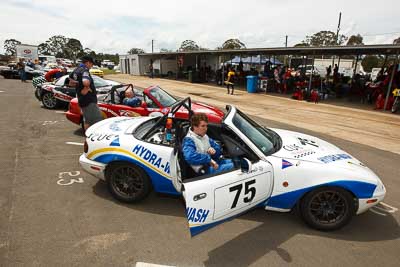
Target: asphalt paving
{"type": "Point", "coordinates": [54, 214]}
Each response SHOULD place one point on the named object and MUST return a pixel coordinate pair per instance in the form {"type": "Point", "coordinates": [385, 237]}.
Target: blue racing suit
{"type": "Point", "coordinates": [198, 158]}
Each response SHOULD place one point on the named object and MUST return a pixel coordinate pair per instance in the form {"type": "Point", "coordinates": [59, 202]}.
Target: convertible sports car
{"type": "Point", "coordinates": [274, 169]}
{"type": "Point", "coordinates": [155, 101]}
{"type": "Point", "coordinates": [53, 94]}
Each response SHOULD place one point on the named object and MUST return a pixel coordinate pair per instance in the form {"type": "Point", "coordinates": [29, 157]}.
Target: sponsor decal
{"type": "Point", "coordinates": [286, 164]}
{"type": "Point", "coordinates": [151, 158]}
{"type": "Point", "coordinates": [115, 142]}
{"type": "Point", "coordinates": [112, 112]}
{"type": "Point", "coordinates": [305, 142]}
{"type": "Point", "coordinates": [293, 147]}
{"type": "Point", "coordinates": [197, 215]}
{"type": "Point", "coordinates": [27, 51]}
{"type": "Point", "coordinates": [100, 137]}
{"type": "Point", "coordinates": [332, 158]}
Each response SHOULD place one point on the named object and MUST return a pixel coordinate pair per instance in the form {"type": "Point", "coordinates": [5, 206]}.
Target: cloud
{"type": "Point", "coordinates": [117, 26]}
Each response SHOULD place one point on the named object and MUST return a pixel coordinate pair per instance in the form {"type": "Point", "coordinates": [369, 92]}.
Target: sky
{"type": "Point", "coordinates": [119, 25]}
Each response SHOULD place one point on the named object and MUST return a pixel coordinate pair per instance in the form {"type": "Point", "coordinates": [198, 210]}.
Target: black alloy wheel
{"type": "Point", "coordinates": [328, 208]}
{"type": "Point", "coordinates": [127, 182]}
{"type": "Point", "coordinates": [49, 101]}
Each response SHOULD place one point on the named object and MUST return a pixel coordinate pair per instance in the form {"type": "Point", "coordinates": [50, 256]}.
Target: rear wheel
{"type": "Point", "coordinates": [127, 182]}
{"type": "Point", "coordinates": [49, 101]}
{"type": "Point", "coordinates": [327, 208]}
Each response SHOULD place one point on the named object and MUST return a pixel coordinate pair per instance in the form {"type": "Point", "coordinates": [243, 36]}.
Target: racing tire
{"type": "Point", "coordinates": [37, 94]}
{"type": "Point", "coordinates": [327, 208]}
{"type": "Point", "coordinates": [396, 104]}
{"type": "Point", "coordinates": [49, 101]}
{"type": "Point", "coordinates": [127, 182]}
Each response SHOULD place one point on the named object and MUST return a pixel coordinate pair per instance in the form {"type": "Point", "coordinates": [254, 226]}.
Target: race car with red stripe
{"type": "Point", "coordinates": [154, 102]}
{"type": "Point", "coordinates": [58, 93]}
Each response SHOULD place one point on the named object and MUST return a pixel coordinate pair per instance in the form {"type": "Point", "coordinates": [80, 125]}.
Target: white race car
{"type": "Point", "coordinates": [274, 169]}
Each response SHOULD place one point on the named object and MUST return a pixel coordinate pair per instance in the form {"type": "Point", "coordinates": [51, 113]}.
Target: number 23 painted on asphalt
{"type": "Point", "coordinates": [61, 180]}
{"type": "Point", "coordinates": [247, 189]}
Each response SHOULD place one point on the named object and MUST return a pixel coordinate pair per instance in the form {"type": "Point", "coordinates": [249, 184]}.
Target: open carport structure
{"type": "Point", "coordinates": [171, 63]}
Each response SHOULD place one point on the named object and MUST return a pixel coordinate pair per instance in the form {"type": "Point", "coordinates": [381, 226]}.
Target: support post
{"type": "Point", "coordinates": [391, 79]}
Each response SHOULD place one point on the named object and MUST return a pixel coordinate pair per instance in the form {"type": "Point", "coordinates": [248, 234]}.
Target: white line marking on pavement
{"type": "Point", "coordinates": [377, 212]}
{"type": "Point", "coordinates": [1, 91]}
{"type": "Point", "coordinates": [74, 143]}
{"type": "Point", "coordinates": [49, 122]}
{"type": "Point", "coordinates": [60, 112]}
{"type": "Point", "coordinates": [386, 208]}
{"type": "Point", "coordinates": [145, 264]}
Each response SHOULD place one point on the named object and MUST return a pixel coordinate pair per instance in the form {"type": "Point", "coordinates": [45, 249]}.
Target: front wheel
{"type": "Point", "coordinates": [49, 101]}
{"type": "Point", "coordinates": [127, 182]}
{"type": "Point", "coordinates": [327, 208]}
{"type": "Point", "coordinates": [396, 104]}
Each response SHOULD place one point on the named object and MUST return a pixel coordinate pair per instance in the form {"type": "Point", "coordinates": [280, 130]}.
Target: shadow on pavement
{"type": "Point", "coordinates": [276, 229]}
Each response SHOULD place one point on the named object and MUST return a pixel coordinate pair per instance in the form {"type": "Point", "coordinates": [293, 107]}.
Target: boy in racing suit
{"type": "Point", "coordinates": [202, 152]}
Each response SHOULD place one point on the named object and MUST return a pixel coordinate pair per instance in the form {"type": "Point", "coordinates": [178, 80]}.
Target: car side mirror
{"type": "Point", "coordinates": [144, 104]}
{"type": "Point", "coordinates": [245, 165]}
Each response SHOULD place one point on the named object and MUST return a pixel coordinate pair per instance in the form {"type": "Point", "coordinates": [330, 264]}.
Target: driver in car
{"type": "Point", "coordinates": [130, 99]}
{"type": "Point", "coordinates": [200, 151]}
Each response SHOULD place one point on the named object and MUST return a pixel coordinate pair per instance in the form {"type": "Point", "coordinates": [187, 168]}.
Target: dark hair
{"type": "Point", "coordinates": [197, 118]}
{"type": "Point", "coordinates": [87, 59]}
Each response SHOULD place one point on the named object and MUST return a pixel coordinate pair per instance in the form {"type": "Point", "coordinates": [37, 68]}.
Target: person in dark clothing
{"type": "Point", "coordinates": [86, 92]}
{"type": "Point", "coordinates": [21, 70]}
{"type": "Point", "coordinates": [328, 71]}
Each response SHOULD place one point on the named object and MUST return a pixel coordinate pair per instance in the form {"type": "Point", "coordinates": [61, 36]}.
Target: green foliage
{"type": "Point", "coordinates": [324, 38]}
{"type": "Point", "coordinates": [302, 44]}
{"type": "Point", "coordinates": [133, 51]}
{"type": "Point", "coordinates": [10, 46]}
{"type": "Point", "coordinates": [165, 50]}
{"type": "Point", "coordinates": [396, 41]}
{"type": "Point", "coordinates": [232, 44]}
{"type": "Point", "coordinates": [355, 40]}
{"type": "Point", "coordinates": [189, 45]}
{"type": "Point", "coordinates": [370, 62]}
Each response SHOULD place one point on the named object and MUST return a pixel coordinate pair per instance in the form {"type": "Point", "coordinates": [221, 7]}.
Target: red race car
{"type": "Point", "coordinates": [155, 102]}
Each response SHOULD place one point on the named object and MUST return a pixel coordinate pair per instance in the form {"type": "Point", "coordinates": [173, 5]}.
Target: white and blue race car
{"type": "Point", "coordinates": [274, 169]}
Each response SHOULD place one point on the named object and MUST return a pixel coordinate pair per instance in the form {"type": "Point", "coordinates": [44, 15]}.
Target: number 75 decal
{"type": "Point", "coordinates": [248, 189]}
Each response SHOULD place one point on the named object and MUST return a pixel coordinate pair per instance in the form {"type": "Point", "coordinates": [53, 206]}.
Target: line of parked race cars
{"type": "Point", "coordinates": [275, 169]}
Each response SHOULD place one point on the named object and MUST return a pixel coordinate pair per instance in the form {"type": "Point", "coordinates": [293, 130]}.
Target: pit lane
{"type": "Point", "coordinates": [54, 214]}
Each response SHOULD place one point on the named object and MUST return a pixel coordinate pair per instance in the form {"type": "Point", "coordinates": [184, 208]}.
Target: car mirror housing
{"type": "Point", "coordinates": [144, 104]}
{"type": "Point", "coordinates": [245, 165]}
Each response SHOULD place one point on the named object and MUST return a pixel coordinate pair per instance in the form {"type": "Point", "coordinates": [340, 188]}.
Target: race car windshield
{"type": "Point", "coordinates": [165, 99]}
{"type": "Point", "coordinates": [99, 82]}
{"type": "Point", "coordinates": [263, 138]}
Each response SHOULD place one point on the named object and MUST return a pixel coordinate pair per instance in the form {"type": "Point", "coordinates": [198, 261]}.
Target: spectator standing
{"type": "Point", "coordinates": [21, 70]}
{"type": "Point", "coordinates": [328, 71]}
{"type": "Point", "coordinates": [86, 92]}
{"type": "Point", "coordinates": [230, 80]}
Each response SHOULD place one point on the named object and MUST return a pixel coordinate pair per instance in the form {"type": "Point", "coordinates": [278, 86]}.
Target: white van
{"type": "Point", "coordinates": [47, 59]}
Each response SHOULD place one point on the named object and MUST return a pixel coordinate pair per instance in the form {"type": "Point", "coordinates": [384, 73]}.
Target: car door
{"type": "Point", "coordinates": [213, 200]}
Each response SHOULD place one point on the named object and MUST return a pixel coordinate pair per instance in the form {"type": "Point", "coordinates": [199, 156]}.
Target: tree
{"type": "Point", "coordinates": [232, 44]}
{"type": "Point", "coordinates": [135, 51]}
{"type": "Point", "coordinates": [302, 44]}
{"type": "Point", "coordinates": [57, 45]}
{"type": "Point", "coordinates": [396, 41]}
{"type": "Point", "coordinates": [10, 46]}
{"type": "Point", "coordinates": [44, 49]}
{"type": "Point", "coordinates": [355, 40]}
{"type": "Point", "coordinates": [325, 38]}
{"type": "Point", "coordinates": [189, 45]}
{"type": "Point", "coordinates": [165, 50]}
{"type": "Point", "coordinates": [72, 49]}
{"type": "Point", "coordinates": [370, 62]}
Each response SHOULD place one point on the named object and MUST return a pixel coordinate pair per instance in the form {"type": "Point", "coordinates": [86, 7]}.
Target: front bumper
{"type": "Point", "coordinates": [94, 168]}
{"type": "Point", "coordinates": [365, 203]}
